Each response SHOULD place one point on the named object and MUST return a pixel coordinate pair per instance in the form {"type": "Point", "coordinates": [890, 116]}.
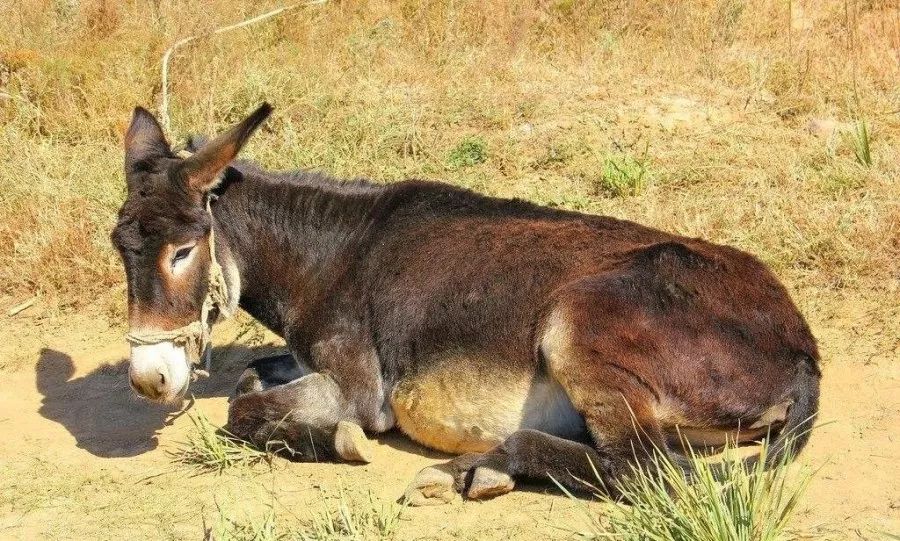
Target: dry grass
{"type": "Point", "coordinates": [690, 116]}
{"type": "Point", "coordinates": [209, 448]}
{"type": "Point", "coordinates": [339, 519]}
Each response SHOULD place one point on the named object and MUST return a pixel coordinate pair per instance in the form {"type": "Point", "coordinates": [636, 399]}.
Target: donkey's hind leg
{"type": "Point", "coordinates": [526, 454]}
{"type": "Point", "coordinates": [623, 438]}
{"type": "Point", "coordinates": [308, 419]}
{"type": "Point", "coordinates": [617, 406]}
{"type": "Point", "coordinates": [594, 348]}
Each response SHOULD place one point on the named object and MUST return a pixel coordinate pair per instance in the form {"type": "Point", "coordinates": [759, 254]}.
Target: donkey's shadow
{"type": "Point", "coordinates": [103, 414]}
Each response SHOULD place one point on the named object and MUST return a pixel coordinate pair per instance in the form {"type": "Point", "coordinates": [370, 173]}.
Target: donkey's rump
{"type": "Point", "coordinates": [700, 344]}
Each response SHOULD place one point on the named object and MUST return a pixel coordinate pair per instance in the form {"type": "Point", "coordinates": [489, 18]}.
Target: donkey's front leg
{"type": "Point", "coordinates": [308, 419]}
{"type": "Point", "coordinates": [267, 372]}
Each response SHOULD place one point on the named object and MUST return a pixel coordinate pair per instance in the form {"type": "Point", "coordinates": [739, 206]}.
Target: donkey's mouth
{"type": "Point", "coordinates": [159, 372]}
{"type": "Point", "coordinates": [175, 397]}
{"type": "Point", "coordinates": [157, 397]}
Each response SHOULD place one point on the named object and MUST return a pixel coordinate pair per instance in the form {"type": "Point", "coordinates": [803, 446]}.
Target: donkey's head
{"type": "Point", "coordinates": [163, 235]}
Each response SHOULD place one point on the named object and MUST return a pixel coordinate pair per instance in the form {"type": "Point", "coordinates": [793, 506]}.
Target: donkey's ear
{"type": "Point", "coordinates": [202, 169]}
{"type": "Point", "coordinates": [144, 139]}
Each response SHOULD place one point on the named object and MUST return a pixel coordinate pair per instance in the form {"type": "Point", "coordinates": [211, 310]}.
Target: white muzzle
{"type": "Point", "coordinates": [160, 371]}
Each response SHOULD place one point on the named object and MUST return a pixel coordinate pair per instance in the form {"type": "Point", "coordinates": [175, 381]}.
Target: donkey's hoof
{"type": "Point", "coordinates": [249, 382]}
{"type": "Point", "coordinates": [431, 486]}
{"type": "Point", "coordinates": [351, 443]}
{"type": "Point", "coordinates": [489, 483]}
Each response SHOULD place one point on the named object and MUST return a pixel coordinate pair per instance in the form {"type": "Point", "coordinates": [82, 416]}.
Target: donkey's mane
{"type": "Point", "coordinates": [300, 177]}
{"type": "Point", "coordinates": [360, 207]}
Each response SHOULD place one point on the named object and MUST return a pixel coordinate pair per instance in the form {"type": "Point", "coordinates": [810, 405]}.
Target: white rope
{"type": "Point", "coordinates": [164, 106]}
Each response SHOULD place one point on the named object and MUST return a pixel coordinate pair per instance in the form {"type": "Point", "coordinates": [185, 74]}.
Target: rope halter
{"type": "Point", "coordinates": [195, 336]}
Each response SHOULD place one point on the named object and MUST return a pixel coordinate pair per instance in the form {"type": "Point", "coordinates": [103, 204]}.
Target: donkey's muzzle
{"type": "Point", "coordinates": [160, 371]}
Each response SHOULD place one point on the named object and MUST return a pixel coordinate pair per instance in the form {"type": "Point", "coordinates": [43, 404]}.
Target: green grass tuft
{"type": "Point", "coordinates": [727, 501]}
{"type": "Point", "coordinates": [622, 175]}
{"type": "Point", "coordinates": [209, 448]}
{"type": "Point", "coordinates": [228, 529]}
{"type": "Point", "coordinates": [376, 520]}
{"type": "Point", "coordinates": [470, 151]}
{"type": "Point", "coordinates": [859, 139]}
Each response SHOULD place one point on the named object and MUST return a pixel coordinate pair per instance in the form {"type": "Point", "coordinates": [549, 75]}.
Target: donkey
{"type": "Point", "coordinates": [529, 341]}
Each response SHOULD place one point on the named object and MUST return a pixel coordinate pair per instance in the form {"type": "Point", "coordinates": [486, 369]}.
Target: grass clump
{"type": "Point", "coordinates": [859, 139]}
{"type": "Point", "coordinates": [470, 151]}
{"type": "Point", "coordinates": [727, 501]}
{"type": "Point", "coordinates": [228, 529]}
{"type": "Point", "coordinates": [209, 448]}
{"type": "Point", "coordinates": [622, 175]}
{"type": "Point", "coordinates": [369, 520]}
{"type": "Point", "coordinates": [375, 520]}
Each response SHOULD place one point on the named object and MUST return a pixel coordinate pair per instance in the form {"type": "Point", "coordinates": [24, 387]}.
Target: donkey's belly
{"type": "Point", "coordinates": [458, 408]}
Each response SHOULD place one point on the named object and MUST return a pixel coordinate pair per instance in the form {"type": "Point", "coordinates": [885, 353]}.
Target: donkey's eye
{"type": "Point", "coordinates": [181, 254]}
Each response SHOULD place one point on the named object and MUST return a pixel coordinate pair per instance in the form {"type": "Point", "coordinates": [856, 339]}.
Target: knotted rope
{"type": "Point", "coordinates": [195, 336]}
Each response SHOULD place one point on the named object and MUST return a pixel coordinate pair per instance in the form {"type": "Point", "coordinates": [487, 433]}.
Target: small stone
{"type": "Point", "coordinates": [823, 127]}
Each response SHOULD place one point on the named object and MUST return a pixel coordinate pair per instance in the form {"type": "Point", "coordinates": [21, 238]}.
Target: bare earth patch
{"type": "Point", "coordinates": [89, 460]}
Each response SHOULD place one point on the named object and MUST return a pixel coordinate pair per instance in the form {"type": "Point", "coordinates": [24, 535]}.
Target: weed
{"type": "Point", "coordinates": [842, 177]}
{"type": "Point", "coordinates": [731, 500]}
{"type": "Point", "coordinates": [859, 139]}
{"type": "Point", "coordinates": [371, 520]}
{"type": "Point", "coordinates": [226, 528]}
{"type": "Point", "coordinates": [209, 448]}
{"type": "Point", "coordinates": [470, 151]}
{"type": "Point", "coordinates": [622, 175]}
{"type": "Point", "coordinates": [367, 520]}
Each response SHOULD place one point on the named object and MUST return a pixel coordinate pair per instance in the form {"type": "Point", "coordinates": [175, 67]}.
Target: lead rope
{"type": "Point", "coordinates": [195, 336]}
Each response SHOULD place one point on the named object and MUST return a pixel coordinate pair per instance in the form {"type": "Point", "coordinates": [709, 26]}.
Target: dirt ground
{"type": "Point", "coordinates": [83, 458]}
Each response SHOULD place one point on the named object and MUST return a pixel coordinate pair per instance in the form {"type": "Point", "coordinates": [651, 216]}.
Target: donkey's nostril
{"type": "Point", "coordinates": [146, 390]}
{"type": "Point", "coordinates": [162, 378]}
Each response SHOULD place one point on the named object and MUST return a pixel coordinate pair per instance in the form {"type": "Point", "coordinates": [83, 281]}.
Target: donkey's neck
{"type": "Point", "coordinates": [292, 238]}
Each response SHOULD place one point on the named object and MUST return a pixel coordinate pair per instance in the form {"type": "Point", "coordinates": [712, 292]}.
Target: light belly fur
{"type": "Point", "coordinates": [459, 407]}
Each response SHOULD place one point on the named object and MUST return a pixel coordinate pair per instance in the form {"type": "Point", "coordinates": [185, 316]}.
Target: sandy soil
{"type": "Point", "coordinates": [82, 458]}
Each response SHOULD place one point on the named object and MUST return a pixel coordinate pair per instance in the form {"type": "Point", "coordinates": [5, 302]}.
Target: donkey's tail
{"type": "Point", "coordinates": [798, 425]}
